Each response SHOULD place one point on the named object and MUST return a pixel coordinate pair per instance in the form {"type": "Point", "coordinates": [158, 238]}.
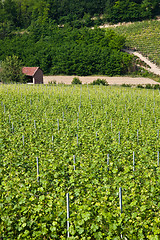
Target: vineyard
{"type": "Point", "coordinates": [145, 37]}
{"type": "Point", "coordinates": [79, 162]}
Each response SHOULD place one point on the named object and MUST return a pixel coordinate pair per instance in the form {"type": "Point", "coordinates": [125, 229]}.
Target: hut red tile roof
{"type": "Point", "coordinates": [29, 71]}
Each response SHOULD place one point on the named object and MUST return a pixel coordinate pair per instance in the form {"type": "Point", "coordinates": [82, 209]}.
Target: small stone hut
{"type": "Point", "coordinates": [34, 74]}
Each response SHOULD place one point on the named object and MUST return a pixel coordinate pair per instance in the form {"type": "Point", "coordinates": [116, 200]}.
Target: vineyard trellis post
{"type": "Point", "coordinates": [38, 178]}
{"type": "Point", "coordinates": [67, 196]}
{"type": "Point", "coordinates": [12, 128]}
{"type": "Point", "coordinates": [58, 124]}
{"type": "Point", "coordinates": [133, 162]}
{"type": "Point", "coordinates": [23, 139]}
{"type": "Point", "coordinates": [120, 199]}
{"type": "Point", "coordinates": [74, 161]}
{"type": "Point", "coordinates": [108, 161]}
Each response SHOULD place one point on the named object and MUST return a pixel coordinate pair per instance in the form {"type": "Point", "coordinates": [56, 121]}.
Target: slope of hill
{"type": "Point", "coordinates": [144, 37]}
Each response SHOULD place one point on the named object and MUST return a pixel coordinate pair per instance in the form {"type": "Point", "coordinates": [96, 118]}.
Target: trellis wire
{"type": "Point", "coordinates": [23, 139]}
{"type": "Point", "coordinates": [120, 198]}
{"type": "Point", "coordinates": [38, 170]}
{"type": "Point", "coordinates": [67, 196]}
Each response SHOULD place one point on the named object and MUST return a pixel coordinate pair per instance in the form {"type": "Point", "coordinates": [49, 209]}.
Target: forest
{"type": "Point", "coordinates": [21, 13]}
{"type": "Point", "coordinates": [69, 50]}
{"type": "Point", "coordinates": [57, 35]}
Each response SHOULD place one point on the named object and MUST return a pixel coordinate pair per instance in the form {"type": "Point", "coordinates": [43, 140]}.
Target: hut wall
{"type": "Point", "coordinates": [38, 77]}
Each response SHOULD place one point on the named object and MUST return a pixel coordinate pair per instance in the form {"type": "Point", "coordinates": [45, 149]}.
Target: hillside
{"type": "Point", "coordinates": [57, 36]}
{"type": "Point", "coordinates": [21, 14]}
{"type": "Point", "coordinates": [144, 37]}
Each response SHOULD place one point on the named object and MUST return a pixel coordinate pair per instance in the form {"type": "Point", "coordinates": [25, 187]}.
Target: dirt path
{"type": "Point", "coordinates": [110, 80]}
{"type": "Point", "coordinates": [153, 68]}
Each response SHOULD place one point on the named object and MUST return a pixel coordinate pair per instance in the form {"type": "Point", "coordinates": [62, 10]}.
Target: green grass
{"type": "Point", "coordinates": [144, 36]}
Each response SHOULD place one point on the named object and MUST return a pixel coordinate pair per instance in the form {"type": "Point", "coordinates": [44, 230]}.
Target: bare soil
{"type": "Point", "coordinates": [110, 80]}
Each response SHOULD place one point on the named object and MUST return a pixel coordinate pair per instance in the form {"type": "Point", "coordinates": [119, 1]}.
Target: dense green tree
{"type": "Point", "coordinates": [24, 12]}
{"type": "Point", "coordinates": [10, 11]}
{"type": "Point", "coordinates": [21, 13]}
{"type": "Point", "coordinates": [69, 51]}
{"type": "Point", "coordinates": [11, 70]}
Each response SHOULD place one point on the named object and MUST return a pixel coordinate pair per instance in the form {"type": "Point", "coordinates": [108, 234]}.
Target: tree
{"type": "Point", "coordinates": [10, 11]}
{"type": "Point", "coordinates": [12, 70]}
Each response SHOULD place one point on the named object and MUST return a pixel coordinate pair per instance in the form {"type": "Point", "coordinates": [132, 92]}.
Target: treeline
{"type": "Point", "coordinates": [69, 50]}
{"type": "Point", "coordinates": [57, 36]}
{"type": "Point", "coordinates": [80, 13]}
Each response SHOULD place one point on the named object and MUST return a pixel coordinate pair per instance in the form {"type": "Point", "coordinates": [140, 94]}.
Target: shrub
{"type": "Point", "coordinates": [126, 85]}
{"type": "Point", "coordinates": [140, 86]}
{"type": "Point", "coordinates": [149, 86]}
{"type": "Point", "coordinates": [52, 82]}
{"type": "Point", "coordinates": [76, 81]}
{"type": "Point", "coordinates": [12, 70]}
{"type": "Point", "coordinates": [100, 82]}
{"type": "Point", "coordinates": [156, 86]}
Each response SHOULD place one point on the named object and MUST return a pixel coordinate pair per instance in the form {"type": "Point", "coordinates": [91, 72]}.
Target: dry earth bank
{"type": "Point", "coordinates": [110, 80]}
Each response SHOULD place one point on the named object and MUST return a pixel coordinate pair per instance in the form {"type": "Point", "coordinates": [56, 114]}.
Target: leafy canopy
{"type": "Point", "coordinates": [11, 70]}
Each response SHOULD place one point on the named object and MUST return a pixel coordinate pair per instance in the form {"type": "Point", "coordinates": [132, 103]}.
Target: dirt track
{"type": "Point", "coordinates": [153, 68]}
{"type": "Point", "coordinates": [110, 80]}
